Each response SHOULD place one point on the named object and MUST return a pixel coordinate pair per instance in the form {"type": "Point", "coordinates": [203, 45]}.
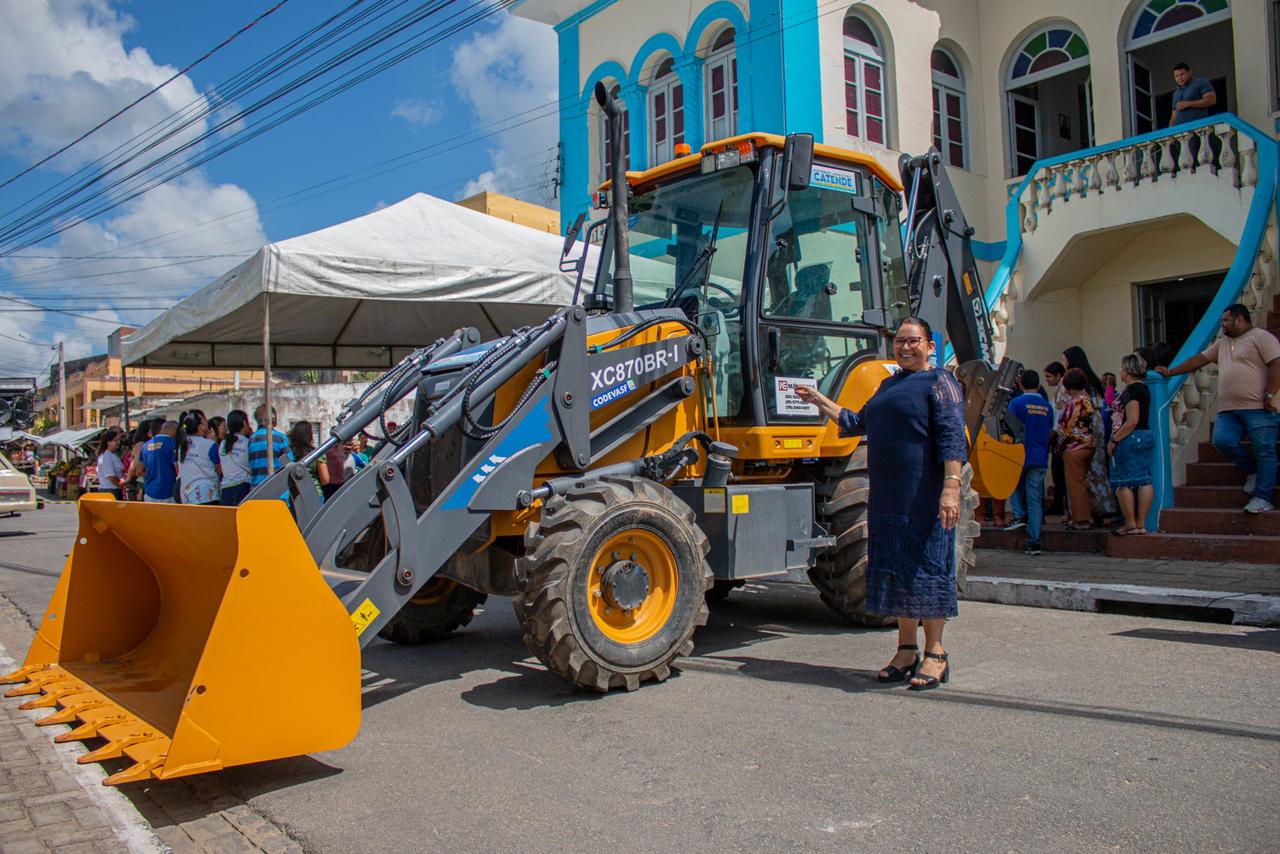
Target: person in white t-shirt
{"type": "Point", "coordinates": [110, 466]}
{"type": "Point", "coordinates": [199, 466]}
{"type": "Point", "coordinates": [234, 453]}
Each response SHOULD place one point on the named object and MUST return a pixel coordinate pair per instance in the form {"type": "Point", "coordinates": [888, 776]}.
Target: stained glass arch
{"type": "Point", "coordinates": [1048, 53]}
{"type": "Point", "coordinates": [1157, 20]}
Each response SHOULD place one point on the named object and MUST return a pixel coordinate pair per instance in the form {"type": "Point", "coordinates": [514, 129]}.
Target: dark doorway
{"type": "Point", "coordinates": [1168, 311]}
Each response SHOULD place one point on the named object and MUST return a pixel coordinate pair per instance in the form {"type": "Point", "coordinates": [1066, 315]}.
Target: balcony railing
{"type": "Point", "coordinates": [1223, 146]}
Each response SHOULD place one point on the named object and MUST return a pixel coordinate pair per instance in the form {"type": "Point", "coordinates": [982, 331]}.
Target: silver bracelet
{"type": "Point", "coordinates": [954, 477]}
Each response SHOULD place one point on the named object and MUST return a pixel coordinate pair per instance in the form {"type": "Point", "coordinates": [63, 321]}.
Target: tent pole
{"type": "Point", "coordinates": [266, 376]}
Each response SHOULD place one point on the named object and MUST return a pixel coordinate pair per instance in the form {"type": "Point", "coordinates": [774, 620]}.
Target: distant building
{"type": "Point", "coordinates": [95, 384]}
{"type": "Point", "coordinates": [514, 210]}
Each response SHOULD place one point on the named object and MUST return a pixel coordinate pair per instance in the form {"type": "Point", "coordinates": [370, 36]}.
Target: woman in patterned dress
{"type": "Point", "coordinates": [916, 448]}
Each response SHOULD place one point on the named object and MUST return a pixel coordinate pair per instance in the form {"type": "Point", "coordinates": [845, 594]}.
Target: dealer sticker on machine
{"type": "Point", "coordinates": [786, 399]}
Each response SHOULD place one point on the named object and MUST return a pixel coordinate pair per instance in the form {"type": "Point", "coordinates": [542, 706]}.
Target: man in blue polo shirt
{"type": "Point", "coordinates": [157, 465]}
{"type": "Point", "coordinates": [258, 469]}
{"type": "Point", "coordinates": [1027, 500]}
{"type": "Point", "coordinates": [1193, 97]}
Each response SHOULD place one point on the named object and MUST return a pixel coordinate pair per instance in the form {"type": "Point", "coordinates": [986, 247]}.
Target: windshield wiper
{"type": "Point", "coordinates": [701, 263]}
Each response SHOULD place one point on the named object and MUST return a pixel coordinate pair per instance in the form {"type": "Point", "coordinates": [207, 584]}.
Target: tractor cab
{"type": "Point", "coordinates": [787, 256]}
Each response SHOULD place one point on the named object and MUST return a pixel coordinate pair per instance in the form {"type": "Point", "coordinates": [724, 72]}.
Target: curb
{"type": "Point", "coordinates": [1247, 609]}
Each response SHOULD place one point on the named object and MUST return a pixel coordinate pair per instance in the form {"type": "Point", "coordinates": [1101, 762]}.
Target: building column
{"type": "Point", "coordinates": [689, 70]}
{"type": "Point", "coordinates": [575, 159]}
{"type": "Point", "coordinates": [784, 67]}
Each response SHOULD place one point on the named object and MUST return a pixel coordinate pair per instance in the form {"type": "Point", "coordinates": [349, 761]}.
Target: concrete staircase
{"type": "Point", "coordinates": [1206, 523]}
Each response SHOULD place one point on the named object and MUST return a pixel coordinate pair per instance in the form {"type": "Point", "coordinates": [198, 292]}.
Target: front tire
{"type": "Point", "coordinates": [615, 578]}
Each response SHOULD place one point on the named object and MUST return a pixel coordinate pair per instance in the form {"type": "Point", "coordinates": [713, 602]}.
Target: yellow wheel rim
{"type": "Point", "coordinates": [648, 618]}
{"type": "Point", "coordinates": [434, 591]}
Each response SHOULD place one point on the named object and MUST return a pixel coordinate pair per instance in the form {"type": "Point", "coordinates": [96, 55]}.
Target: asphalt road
{"type": "Point", "coordinates": [1060, 731]}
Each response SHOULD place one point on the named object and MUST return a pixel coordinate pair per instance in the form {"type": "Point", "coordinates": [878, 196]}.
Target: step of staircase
{"type": "Point", "coordinates": [1053, 538]}
{"type": "Point", "coordinates": [1214, 474]}
{"type": "Point", "coordinates": [1215, 497]}
{"type": "Point", "coordinates": [1186, 520]}
{"type": "Point", "coordinates": [1210, 454]}
{"type": "Point", "coordinates": [1225, 548]}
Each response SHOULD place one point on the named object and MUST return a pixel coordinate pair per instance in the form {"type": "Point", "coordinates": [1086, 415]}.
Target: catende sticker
{"type": "Point", "coordinates": [788, 402]}
{"type": "Point", "coordinates": [831, 178]}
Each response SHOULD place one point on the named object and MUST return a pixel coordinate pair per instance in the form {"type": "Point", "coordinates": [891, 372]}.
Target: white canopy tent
{"type": "Point", "coordinates": [363, 293]}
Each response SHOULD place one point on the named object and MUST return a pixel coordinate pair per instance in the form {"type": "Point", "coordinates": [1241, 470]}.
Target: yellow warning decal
{"type": "Point", "coordinates": [792, 444]}
{"type": "Point", "coordinates": [364, 615]}
{"type": "Point", "coordinates": [742, 504]}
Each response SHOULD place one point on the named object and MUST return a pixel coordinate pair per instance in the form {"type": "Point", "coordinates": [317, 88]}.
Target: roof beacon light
{"type": "Point", "coordinates": [728, 156]}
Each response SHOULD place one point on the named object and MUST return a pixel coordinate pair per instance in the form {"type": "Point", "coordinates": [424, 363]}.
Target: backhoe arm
{"type": "Point", "coordinates": [946, 291]}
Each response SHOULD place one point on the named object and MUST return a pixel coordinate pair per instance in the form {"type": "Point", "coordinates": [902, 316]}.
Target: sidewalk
{"type": "Point", "coordinates": [1241, 593]}
{"type": "Point", "coordinates": [50, 803]}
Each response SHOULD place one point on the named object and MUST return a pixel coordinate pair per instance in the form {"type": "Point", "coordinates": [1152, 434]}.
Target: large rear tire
{"type": "Point", "coordinates": [840, 573]}
{"type": "Point", "coordinates": [615, 578]}
{"type": "Point", "coordinates": [438, 609]}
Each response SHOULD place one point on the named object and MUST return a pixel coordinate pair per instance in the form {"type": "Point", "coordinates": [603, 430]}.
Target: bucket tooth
{"type": "Point", "coordinates": [69, 713]}
{"type": "Point", "coordinates": [115, 748]}
{"type": "Point", "coordinates": [23, 690]}
{"type": "Point", "coordinates": [21, 674]}
{"type": "Point", "coordinates": [135, 773]}
{"type": "Point", "coordinates": [52, 697]}
{"type": "Point", "coordinates": [89, 729]}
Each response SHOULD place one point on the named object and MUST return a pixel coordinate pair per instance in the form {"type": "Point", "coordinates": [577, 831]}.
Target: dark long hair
{"type": "Point", "coordinates": [236, 419]}
{"type": "Point", "coordinates": [188, 426]}
{"type": "Point", "coordinates": [111, 433]}
{"type": "Point", "coordinates": [1076, 358]}
{"type": "Point", "coordinates": [142, 435]}
{"type": "Point", "coordinates": [301, 439]}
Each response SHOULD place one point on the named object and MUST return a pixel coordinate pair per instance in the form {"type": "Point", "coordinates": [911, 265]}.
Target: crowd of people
{"type": "Point", "coordinates": [1093, 434]}
{"type": "Point", "coordinates": [213, 461]}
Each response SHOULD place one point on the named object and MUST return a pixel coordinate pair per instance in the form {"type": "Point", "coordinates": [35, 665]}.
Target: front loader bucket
{"type": "Point", "coordinates": [192, 639]}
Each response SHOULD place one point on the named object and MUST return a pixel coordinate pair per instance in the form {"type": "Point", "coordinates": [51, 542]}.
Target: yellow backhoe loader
{"type": "Point", "coordinates": [611, 469]}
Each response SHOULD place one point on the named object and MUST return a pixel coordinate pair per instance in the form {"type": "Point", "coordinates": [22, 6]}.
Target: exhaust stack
{"type": "Point", "coordinates": [623, 290]}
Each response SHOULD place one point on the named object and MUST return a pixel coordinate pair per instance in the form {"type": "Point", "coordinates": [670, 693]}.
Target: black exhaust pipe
{"type": "Point", "coordinates": [623, 290]}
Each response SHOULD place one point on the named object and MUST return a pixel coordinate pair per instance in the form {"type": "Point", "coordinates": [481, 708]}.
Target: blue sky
{"type": "Point", "coordinates": [67, 64]}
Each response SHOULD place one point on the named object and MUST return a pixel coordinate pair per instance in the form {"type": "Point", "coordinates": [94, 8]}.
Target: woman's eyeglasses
{"type": "Point", "coordinates": [913, 341]}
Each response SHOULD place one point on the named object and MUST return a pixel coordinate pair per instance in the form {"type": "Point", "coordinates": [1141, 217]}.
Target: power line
{"type": "Point", "coordinates": [26, 231]}
{"type": "Point", "coordinates": [228, 40]}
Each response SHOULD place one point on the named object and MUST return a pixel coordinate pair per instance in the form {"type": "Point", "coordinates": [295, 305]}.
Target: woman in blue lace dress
{"type": "Point", "coordinates": [916, 448]}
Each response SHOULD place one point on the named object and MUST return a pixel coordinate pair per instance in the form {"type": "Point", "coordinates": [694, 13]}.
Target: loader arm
{"type": "Point", "coordinates": [551, 417]}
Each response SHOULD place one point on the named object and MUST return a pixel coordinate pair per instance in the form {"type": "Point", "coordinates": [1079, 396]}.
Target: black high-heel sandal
{"type": "Point", "coordinates": [901, 674]}
{"type": "Point", "coordinates": [931, 682]}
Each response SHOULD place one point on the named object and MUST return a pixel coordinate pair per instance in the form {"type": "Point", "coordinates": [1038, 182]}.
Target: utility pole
{"type": "Point", "coordinates": [62, 392]}
{"type": "Point", "coordinates": [62, 387]}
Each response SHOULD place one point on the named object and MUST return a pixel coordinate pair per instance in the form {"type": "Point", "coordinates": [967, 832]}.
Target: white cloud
{"type": "Point", "coordinates": [417, 111]}
{"type": "Point", "coordinates": [63, 68]}
{"type": "Point", "coordinates": [499, 74]}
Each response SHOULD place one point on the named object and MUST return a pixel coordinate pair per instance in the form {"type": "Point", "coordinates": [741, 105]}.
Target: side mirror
{"type": "Point", "coordinates": [797, 161]}
{"type": "Point", "coordinates": [571, 236]}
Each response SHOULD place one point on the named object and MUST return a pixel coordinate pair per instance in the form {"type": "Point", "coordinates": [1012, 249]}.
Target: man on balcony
{"type": "Point", "coordinates": [1193, 97]}
{"type": "Point", "coordinates": [1248, 362]}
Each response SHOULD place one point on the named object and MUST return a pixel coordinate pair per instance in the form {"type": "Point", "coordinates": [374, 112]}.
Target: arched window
{"type": "Point", "coordinates": [1049, 97]}
{"type": "Point", "coordinates": [1164, 31]}
{"type": "Point", "coordinates": [721, 87]}
{"type": "Point", "coordinates": [666, 109]}
{"type": "Point", "coordinates": [949, 108]}
{"type": "Point", "coordinates": [606, 158]}
{"type": "Point", "coordinates": [1161, 19]}
{"type": "Point", "coordinates": [865, 104]}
